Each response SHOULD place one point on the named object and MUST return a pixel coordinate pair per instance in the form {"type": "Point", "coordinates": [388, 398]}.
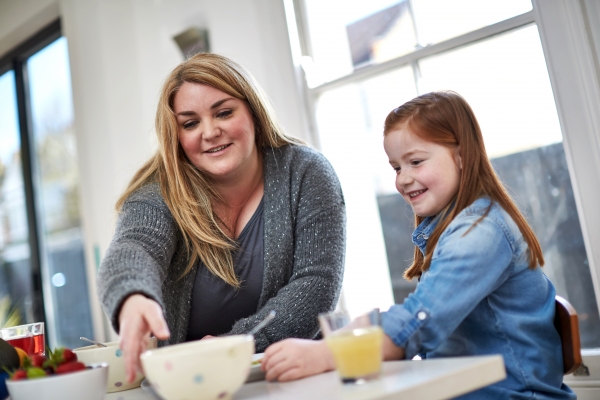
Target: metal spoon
{"type": "Point", "coordinates": [263, 323]}
{"type": "Point", "coordinates": [92, 341]}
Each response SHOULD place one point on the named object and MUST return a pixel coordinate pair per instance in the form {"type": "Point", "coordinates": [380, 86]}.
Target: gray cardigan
{"type": "Point", "coordinates": [304, 247]}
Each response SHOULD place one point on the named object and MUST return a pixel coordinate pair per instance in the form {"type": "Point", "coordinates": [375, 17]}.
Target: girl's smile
{"type": "Point", "coordinates": [415, 194]}
{"type": "Point", "coordinates": [427, 173]}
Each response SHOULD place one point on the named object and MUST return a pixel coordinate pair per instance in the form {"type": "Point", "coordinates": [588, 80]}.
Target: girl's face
{"type": "Point", "coordinates": [216, 131]}
{"type": "Point", "coordinates": [427, 174]}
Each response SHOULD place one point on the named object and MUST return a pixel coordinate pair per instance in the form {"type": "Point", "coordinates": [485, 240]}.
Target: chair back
{"type": "Point", "coordinates": [567, 325]}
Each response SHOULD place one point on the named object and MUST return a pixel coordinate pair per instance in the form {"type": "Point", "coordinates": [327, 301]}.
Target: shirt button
{"type": "Point", "coordinates": [422, 315]}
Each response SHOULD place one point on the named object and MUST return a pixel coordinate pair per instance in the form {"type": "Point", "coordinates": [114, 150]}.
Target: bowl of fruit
{"type": "Point", "coordinates": [59, 376]}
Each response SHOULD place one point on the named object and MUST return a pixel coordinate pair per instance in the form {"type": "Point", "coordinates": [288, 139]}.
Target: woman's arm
{"type": "Point", "coordinates": [138, 257]}
{"type": "Point", "coordinates": [138, 319]}
{"type": "Point", "coordinates": [131, 274]}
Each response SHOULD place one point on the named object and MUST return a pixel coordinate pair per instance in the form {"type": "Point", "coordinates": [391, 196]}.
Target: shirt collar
{"type": "Point", "coordinates": [423, 231]}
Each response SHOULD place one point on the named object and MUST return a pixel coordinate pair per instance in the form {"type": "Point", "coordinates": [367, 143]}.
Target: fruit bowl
{"type": "Point", "coordinates": [89, 384]}
{"type": "Point", "coordinates": [113, 356]}
{"type": "Point", "coordinates": [200, 370]}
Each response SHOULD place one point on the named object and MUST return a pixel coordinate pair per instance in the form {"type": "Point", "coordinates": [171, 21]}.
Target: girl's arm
{"type": "Point", "coordinates": [293, 359]}
{"type": "Point", "coordinates": [465, 269]}
{"type": "Point", "coordinates": [390, 350]}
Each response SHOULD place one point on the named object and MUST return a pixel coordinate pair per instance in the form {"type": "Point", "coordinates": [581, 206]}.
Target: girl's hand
{"type": "Point", "coordinates": [390, 350]}
{"type": "Point", "coordinates": [296, 358]}
{"type": "Point", "coordinates": [139, 317]}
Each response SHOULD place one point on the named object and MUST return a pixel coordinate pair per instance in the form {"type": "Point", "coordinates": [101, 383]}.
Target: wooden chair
{"type": "Point", "coordinates": [567, 325]}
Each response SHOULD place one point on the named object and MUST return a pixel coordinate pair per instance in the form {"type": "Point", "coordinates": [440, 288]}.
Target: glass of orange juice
{"type": "Point", "coordinates": [357, 345]}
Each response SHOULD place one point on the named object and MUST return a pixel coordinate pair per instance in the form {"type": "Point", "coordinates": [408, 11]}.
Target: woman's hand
{"type": "Point", "coordinates": [139, 317]}
{"type": "Point", "coordinates": [296, 358]}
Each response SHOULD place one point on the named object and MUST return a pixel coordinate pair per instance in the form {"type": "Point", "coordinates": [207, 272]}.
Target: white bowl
{"type": "Point", "coordinates": [200, 370]}
{"type": "Point", "coordinates": [113, 356]}
{"type": "Point", "coordinates": [89, 384]}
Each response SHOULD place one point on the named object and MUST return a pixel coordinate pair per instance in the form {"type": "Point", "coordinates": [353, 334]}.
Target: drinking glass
{"type": "Point", "coordinates": [357, 345]}
{"type": "Point", "coordinates": [29, 337]}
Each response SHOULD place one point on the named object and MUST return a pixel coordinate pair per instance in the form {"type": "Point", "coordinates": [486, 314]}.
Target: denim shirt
{"type": "Point", "coordinates": [480, 297]}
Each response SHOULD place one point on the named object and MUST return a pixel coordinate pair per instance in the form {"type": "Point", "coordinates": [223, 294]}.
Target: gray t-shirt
{"type": "Point", "coordinates": [216, 306]}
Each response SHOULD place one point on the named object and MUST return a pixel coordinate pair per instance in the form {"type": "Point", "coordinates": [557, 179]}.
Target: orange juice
{"type": "Point", "coordinates": [358, 352]}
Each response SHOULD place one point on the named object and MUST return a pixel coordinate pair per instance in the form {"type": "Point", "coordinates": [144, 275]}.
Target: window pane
{"type": "Point", "coordinates": [439, 20]}
{"type": "Point", "coordinates": [57, 190]}
{"type": "Point", "coordinates": [506, 82]}
{"type": "Point", "coordinates": [350, 121]}
{"type": "Point", "coordinates": [346, 35]}
{"type": "Point", "coordinates": [16, 287]}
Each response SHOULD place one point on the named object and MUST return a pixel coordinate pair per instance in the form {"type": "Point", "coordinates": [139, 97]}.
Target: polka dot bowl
{"type": "Point", "coordinates": [200, 370]}
{"type": "Point", "coordinates": [113, 356]}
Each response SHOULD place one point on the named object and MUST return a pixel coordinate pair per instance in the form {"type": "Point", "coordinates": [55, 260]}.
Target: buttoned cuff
{"type": "Point", "coordinates": [402, 326]}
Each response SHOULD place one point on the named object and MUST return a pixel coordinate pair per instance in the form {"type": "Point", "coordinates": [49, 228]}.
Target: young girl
{"type": "Point", "coordinates": [480, 289]}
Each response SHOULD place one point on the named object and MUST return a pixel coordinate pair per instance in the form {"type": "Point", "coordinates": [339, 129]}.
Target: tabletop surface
{"type": "Point", "coordinates": [426, 379]}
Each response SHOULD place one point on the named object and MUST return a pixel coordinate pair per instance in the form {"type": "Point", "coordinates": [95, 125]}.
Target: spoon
{"type": "Point", "coordinates": [92, 341]}
{"type": "Point", "coordinates": [263, 323]}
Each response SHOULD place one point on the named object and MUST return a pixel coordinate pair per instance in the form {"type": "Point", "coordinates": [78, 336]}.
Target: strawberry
{"type": "Point", "coordinates": [37, 360]}
{"type": "Point", "coordinates": [70, 367]}
{"type": "Point", "coordinates": [19, 375]}
{"type": "Point", "coordinates": [69, 356]}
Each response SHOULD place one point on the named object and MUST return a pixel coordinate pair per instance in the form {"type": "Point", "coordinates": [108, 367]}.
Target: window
{"type": "Point", "coordinates": [16, 280]}
{"type": "Point", "coordinates": [489, 53]}
{"type": "Point", "coordinates": [41, 246]}
{"type": "Point", "coordinates": [342, 36]}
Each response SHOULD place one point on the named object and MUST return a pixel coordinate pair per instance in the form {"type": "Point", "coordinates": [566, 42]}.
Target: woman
{"type": "Point", "coordinates": [229, 220]}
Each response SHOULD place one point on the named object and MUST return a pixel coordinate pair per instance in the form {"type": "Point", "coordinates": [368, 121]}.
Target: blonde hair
{"type": "Point", "coordinates": [447, 119]}
{"type": "Point", "coordinates": [186, 190]}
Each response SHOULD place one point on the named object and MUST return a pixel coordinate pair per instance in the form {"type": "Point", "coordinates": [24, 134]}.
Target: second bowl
{"type": "Point", "coordinates": [113, 356]}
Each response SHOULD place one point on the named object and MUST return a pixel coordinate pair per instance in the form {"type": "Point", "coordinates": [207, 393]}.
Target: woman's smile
{"type": "Point", "coordinates": [218, 150]}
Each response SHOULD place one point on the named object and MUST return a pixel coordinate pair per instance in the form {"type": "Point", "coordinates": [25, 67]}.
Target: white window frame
{"type": "Point", "coordinates": [570, 37]}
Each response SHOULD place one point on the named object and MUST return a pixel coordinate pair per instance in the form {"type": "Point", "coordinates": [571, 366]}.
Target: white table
{"type": "Point", "coordinates": [426, 380]}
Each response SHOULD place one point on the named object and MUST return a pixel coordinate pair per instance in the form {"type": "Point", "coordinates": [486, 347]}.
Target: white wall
{"type": "Point", "coordinates": [120, 52]}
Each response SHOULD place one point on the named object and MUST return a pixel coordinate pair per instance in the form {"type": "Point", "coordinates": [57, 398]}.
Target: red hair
{"type": "Point", "coordinates": [447, 119]}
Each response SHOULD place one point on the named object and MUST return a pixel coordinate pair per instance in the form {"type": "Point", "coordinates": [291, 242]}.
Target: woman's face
{"type": "Point", "coordinates": [427, 174]}
{"type": "Point", "coordinates": [215, 130]}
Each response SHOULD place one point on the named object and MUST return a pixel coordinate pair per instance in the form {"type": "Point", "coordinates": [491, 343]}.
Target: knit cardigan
{"type": "Point", "coordinates": [304, 248]}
